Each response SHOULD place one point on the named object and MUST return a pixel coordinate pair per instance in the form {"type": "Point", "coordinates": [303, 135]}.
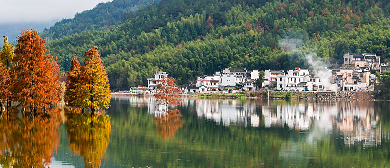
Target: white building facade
{"type": "Point", "coordinates": [154, 82]}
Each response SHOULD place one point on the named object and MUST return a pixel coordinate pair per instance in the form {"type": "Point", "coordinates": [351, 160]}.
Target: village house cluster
{"type": "Point", "coordinates": [356, 73]}
{"type": "Point", "coordinates": [229, 81]}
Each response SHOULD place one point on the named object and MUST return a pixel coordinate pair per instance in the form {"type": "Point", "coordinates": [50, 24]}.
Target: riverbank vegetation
{"type": "Point", "coordinates": [382, 90]}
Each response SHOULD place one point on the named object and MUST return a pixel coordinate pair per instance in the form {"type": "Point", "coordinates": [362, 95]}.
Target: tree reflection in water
{"type": "Point", "coordinates": [28, 141]}
{"type": "Point", "coordinates": [168, 123]}
{"type": "Point", "coordinates": [88, 136]}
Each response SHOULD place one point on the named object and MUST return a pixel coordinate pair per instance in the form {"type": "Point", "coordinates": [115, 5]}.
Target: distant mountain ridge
{"type": "Point", "coordinates": [13, 30]}
{"type": "Point", "coordinates": [104, 15]}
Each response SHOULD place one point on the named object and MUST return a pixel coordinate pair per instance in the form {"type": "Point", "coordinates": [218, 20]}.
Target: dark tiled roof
{"type": "Point", "coordinates": [356, 54]}
{"type": "Point", "coordinates": [238, 70]}
{"type": "Point", "coordinates": [279, 72]}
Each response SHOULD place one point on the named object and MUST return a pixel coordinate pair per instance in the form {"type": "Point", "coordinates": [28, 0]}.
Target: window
{"type": "Point", "coordinates": [346, 59]}
{"type": "Point", "coordinates": [320, 86]}
{"type": "Point", "coordinates": [280, 79]}
{"type": "Point", "coordinates": [280, 86]}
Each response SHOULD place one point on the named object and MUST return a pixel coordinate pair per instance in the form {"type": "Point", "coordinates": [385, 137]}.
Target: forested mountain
{"type": "Point", "coordinates": [191, 38]}
{"type": "Point", "coordinates": [102, 16]}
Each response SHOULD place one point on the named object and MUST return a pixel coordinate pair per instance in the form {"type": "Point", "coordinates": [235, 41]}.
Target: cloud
{"type": "Point", "coordinates": [16, 11]}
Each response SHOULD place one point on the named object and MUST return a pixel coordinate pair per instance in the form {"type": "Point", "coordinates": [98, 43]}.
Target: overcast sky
{"type": "Point", "coordinates": [12, 11]}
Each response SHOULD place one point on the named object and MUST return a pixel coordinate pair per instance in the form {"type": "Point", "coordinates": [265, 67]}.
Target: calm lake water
{"type": "Point", "coordinates": [211, 133]}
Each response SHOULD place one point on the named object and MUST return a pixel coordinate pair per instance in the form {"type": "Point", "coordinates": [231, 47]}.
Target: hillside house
{"type": "Point", "coordinates": [208, 83]}
{"type": "Point", "coordinates": [352, 80]}
{"type": "Point", "coordinates": [291, 80]}
{"type": "Point", "coordinates": [271, 76]}
{"type": "Point", "coordinates": [362, 61]}
{"type": "Point", "coordinates": [153, 82]}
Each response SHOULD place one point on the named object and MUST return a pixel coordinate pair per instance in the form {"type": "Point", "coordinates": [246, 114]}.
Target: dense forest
{"type": "Point", "coordinates": [191, 38]}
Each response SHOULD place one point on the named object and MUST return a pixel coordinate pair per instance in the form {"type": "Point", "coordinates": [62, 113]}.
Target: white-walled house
{"type": "Point", "coordinates": [281, 81]}
{"type": "Point", "coordinates": [254, 75]}
{"type": "Point", "coordinates": [153, 82]}
{"type": "Point", "coordinates": [362, 60]}
{"type": "Point", "coordinates": [228, 80]}
{"type": "Point", "coordinates": [291, 80]}
{"type": "Point", "coordinates": [208, 83]}
{"type": "Point", "coordinates": [272, 76]}
{"type": "Point", "coordinates": [352, 80]}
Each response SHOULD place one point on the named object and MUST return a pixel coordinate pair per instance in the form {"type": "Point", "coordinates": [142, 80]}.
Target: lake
{"type": "Point", "coordinates": [207, 133]}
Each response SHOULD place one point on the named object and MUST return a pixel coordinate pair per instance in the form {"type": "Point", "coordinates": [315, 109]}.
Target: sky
{"type": "Point", "coordinates": [21, 11]}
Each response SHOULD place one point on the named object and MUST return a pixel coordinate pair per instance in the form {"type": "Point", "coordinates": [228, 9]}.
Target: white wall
{"type": "Point", "coordinates": [228, 80]}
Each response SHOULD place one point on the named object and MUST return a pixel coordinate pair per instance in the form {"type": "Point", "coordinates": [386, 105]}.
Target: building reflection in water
{"type": "Point", "coordinates": [356, 121]}
{"type": "Point", "coordinates": [228, 112]}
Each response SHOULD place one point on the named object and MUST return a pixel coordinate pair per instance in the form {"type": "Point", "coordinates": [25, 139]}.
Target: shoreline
{"type": "Point", "coordinates": [278, 95]}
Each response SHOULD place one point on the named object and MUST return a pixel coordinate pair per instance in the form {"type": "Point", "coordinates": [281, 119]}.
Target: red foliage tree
{"type": "Point", "coordinates": [167, 92]}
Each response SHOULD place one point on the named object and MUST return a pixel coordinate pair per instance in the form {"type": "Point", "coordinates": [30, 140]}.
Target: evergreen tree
{"type": "Point", "coordinates": [382, 88]}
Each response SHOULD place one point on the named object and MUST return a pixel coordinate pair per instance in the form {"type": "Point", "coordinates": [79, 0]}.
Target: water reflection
{"type": "Point", "coordinates": [250, 133]}
{"type": "Point", "coordinates": [168, 123]}
{"type": "Point", "coordinates": [356, 121]}
{"type": "Point", "coordinates": [28, 141]}
{"type": "Point", "coordinates": [88, 136]}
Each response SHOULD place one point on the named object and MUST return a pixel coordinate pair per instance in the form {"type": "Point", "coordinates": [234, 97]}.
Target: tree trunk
{"type": "Point", "coordinates": [8, 104]}
{"type": "Point", "coordinates": [93, 111]}
{"type": "Point", "coordinates": [1, 108]}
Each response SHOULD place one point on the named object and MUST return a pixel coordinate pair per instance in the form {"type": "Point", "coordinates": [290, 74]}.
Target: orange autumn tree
{"type": "Point", "coordinates": [89, 85]}
{"type": "Point", "coordinates": [4, 84]}
{"type": "Point", "coordinates": [167, 92]}
{"type": "Point", "coordinates": [34, 81]}
{"type": "Point", "coordinates": [6, 56]}
{"type": "Point", "coordinates": [74, 80]}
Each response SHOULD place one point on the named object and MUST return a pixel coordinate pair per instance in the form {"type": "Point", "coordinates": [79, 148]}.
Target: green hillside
{"type": "Point", "coordinates": [104, 15]}
{"type": "Point", "coordinates": [191, 38]}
